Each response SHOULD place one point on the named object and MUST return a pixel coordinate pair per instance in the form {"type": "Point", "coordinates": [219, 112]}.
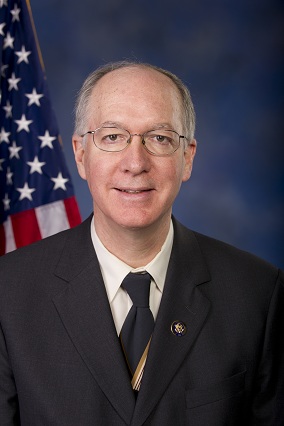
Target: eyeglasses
{"type": "Point", "coordinates": [156, 142]}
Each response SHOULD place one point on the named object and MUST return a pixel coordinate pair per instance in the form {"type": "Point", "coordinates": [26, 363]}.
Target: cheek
{"type": "Point", "coordinates": [90, 169]}
{"type": "Point", "coordinates": [172, 173]}
{"type": "Point", "coordinates": [97, 171]}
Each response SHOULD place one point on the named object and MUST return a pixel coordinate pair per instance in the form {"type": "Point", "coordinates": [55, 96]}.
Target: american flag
{"type": "Point", "coordinates": [36, 192]}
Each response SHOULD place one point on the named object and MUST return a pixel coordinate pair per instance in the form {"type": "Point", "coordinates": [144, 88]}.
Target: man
{"type": "Point", "coordinates": [214, 355]}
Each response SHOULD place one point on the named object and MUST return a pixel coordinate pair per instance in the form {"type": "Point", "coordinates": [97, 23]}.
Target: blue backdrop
{"type": "Point", "coordinates": [231, 56]}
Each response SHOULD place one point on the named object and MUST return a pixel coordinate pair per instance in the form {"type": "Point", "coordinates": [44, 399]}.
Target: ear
{"type": "Point", "coordinates": [189, 154]}
{"type": "Point", "coordinates": [79, 154]}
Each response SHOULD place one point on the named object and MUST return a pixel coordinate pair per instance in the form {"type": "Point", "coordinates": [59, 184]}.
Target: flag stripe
{"type": "Point", "coordinates": [25, 228]}
{"type": "Point", "coordinates": [72, 211]}
{"type": "Point", "coordinates": [10, 243]}
{"type": "Point", "coordinates": [51, 218]}
{"type": "Point", "coordinates": [32, 225]}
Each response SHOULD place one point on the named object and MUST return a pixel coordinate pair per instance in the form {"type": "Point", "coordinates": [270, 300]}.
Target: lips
{"type": "Point", "coordinates": [134, 190]}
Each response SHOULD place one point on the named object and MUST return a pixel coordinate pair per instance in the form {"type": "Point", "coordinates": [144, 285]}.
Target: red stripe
{"type": "Point", "coordinates": [72, 211]}
{"type": "Point", "coordinates": [2, 240]}
{"type": "Point", "coordinates": [25, 228]}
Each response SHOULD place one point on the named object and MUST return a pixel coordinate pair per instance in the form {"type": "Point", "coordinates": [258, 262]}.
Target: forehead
{"type": "Point", "coordinates": [136, 91]}
{"type": "Point", "coordinates": [129, 76]}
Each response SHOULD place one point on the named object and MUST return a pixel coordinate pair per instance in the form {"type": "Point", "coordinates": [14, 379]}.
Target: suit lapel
{"type": "Point", "coordinates": [85, 312]}
{"type": "Point", "coordinates": [183, 301]}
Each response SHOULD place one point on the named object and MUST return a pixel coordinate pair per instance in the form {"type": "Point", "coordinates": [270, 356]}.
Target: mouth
{"type": "Point", "coordinates": [134, 191]}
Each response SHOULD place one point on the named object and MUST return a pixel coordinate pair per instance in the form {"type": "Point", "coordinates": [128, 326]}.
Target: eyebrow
{"type": "Point", "coordinates": [154, 126]}
{"type": "Point", "coordinates": [111, 124]}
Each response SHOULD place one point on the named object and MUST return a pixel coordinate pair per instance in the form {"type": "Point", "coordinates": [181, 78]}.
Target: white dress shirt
{"type": "Point", "coordinates": [114, 271]}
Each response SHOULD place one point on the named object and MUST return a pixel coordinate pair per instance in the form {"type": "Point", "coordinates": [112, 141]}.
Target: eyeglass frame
{"type": "Point", "coordinates": [128, 142]}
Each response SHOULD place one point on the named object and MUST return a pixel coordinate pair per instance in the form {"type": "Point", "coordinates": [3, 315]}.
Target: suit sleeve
{"type": "Point", "coordinates": [9, 411]}
{"type": "Point", "coordinates": [268, 405]}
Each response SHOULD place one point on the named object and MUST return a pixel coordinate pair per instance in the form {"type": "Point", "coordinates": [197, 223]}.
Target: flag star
{"type": "Point", "coordinates": [6, 202]}
{"type": "Point", "coordinates": [34, 97]}
{"type": "Point", "coordinates": [9, 176]}
{"type": "Point", "coordinates": [3, 67]}
{"type": "Point", "coordinates": [59, 182]}
{"type": "Point", "coordinates": [13, 82]}
{"type": "Point", "coordinates": [36, 165]}
{"type": "Point", "coordinates": [14, 151]}
{"type": "Point", "coordinates": [23, 124]}
{"type": "Point", "coordinates": [1, 28]}
{"type": "Point", "coordinates": [4, 135]}
{"type": "Point", "coordinates": [46, 140]}
{"type": "Point", "coordinates": [8, 109]}
{"type": "Point", "coordinates": [1, 161]}
{"type": "Point", "coordinates": [15, 13]}
{"type": "Point", "coordinates": [8, 41]}
{"type": "Point", "coordinates": [23, 55]}
{"type": "Point", "coordinates": [26, 192]}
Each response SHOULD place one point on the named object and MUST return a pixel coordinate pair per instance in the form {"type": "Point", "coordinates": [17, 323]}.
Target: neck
{"type": "Point", "coordinates": [135, 247]}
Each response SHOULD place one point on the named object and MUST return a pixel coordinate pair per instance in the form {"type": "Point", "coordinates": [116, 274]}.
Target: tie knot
{"type": "Point", "coordinates": [138, 288]}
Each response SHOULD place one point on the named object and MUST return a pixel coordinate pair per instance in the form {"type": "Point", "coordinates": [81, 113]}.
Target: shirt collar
{"type": "Point", "coordinates": [114, 270]}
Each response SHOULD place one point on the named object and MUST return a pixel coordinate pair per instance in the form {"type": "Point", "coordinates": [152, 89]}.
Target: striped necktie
{"type": "Point", "coordinates": [138, 326]}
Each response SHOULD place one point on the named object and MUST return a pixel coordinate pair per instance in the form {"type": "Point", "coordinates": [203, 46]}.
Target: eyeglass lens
{"type": "Point", "coordinates": [159, 142]}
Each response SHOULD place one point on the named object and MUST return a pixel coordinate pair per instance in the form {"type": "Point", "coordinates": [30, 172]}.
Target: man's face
{"type": "Point", "coordinates": [132, 188]}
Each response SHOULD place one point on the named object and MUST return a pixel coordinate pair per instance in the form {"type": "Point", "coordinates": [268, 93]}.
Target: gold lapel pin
{"type": "Point", "coordinates": [178, 328]}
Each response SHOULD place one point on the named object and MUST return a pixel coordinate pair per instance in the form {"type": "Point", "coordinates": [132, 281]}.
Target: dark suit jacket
{"type": "Point", "coordinates": [61, 362]}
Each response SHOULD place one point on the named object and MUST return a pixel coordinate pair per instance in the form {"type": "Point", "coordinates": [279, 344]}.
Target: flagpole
{"type": "Point", "coordinates": [35, 35]}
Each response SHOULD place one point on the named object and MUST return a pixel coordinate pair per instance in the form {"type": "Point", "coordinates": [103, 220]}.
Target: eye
{"type": "Point", "coordinates": [112, 138]}
{"type": "Point", "coordinates": [160, 139]}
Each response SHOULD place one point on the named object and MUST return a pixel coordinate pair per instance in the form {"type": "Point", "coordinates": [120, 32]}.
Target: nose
{"type": "Point", "coordinates": [135, 158]}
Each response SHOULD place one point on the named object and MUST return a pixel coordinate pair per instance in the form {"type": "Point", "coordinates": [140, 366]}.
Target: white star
{"type": "Point", "coordinates": [46, 140]}
{"type": "Point", "coordinates": [26, 192]}
{"type": "Point", "coordinates": [8, 109]}
{"type": "Point", "coordinates": [3, 3]}
{"type": "Point", "coordinates": [34, 97]}
{"type": "Point", "coordinates": [9, 176]}
{"type": "Point", "coordinates": [1, 161]}
{"type": "Point", "coordinates": [13, 82]}
{"type": "Point", "coordinates": [15, 13]}
{"type": "Point", "coordinates": [4, 135]}
{"type": "Point", "coordinates": [36, 165]}
{"type": "Point", "coordinates": [23, 124]}
{"type": "Point", "coordinates": [3, 67]}
{"type": "Point", "coordinates": [14, 151]}
{"type": "Point", "coordinates": [1, 28]}
{"type": "Point", "coordinates": [23, 55]}
{"type": "Point", "coordinates": [6, 202]}
{"type": "Point", "coordinates": [8, 41]}
{"type": "Point", "coordinates": [59, 182]}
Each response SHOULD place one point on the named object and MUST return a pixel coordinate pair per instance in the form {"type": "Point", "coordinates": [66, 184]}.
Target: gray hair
{"type": "Point", "coordinates": [84, 94]}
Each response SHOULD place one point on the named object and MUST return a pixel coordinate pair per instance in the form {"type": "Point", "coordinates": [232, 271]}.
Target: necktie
{"type": "Point", "coordinates": [138, 325]}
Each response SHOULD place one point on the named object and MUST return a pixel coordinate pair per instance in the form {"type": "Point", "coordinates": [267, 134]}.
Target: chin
{"type": "Point", "coordinates": [139, 222]}
{"type": "Point", "coordinates": [135, 224]}
{"type": "Point", "coordinates": [136, 221]}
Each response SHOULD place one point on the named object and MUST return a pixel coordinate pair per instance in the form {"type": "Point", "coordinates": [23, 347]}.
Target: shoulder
{"type": "Point", "coordinates": [232, 258]}
{"type": "Point", "coordinates": [44, 251]}
{"type": "Point", "coordinates": [29, 275]}
{"type": "Point", "coordinates": [226, 262]}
